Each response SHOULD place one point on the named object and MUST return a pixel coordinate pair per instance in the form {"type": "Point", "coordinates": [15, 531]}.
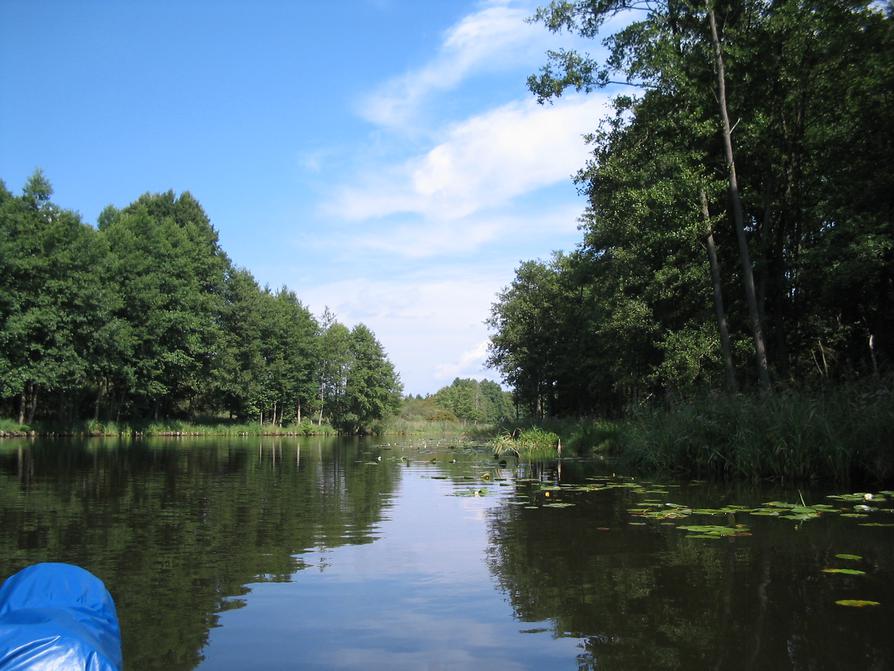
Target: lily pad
{"type": "Point", "coordinates": [558, 505]}
{"type": "Point", "coordinates": [877, 524]}
{"type": "Point", "coordinates": [844, 571]}
{"type": "Point", "coordinates": [857, 603]}
{"type": "Point", "coordinates": [715, 531]}
{"type": "Point", "coordinates": [848, 557]}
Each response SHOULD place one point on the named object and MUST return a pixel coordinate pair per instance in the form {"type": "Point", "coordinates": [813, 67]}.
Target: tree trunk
{"type": "Point", "coordinates": [719, 309]}
{"type": "Point", "coordinates": [872, 355]}
{"type": "Point", "coordinates": [298, 411]}
{"type": "Point", "coordinates": [322, 396]}
{"type": "Point", "coordinates": [760, 348]}
{"type": "Point", "coordinates": [99, 393]}
{"type": "Point", "coordinates": [32, 407]}
{"type": "Point", "coordinates": [22, 398]}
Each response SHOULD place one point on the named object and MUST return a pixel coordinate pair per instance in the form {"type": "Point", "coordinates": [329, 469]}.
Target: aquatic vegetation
{"type": "Point", "coordinates": [844, 571]}
{"type": "Point", "coordinates": [848, 557]}
{"type": "Point", "coordinates": [533, 443]}
{"type": "Point", "coordinates": [857, 603]}
{"type": "Point", "coordinates": [839, 434]}
{"type": "Point", "coordinates": [471, 492]}
{"type": "Point", "coordinates": [715, 531]}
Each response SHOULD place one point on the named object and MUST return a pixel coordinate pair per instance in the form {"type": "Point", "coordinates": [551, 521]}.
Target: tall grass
{"type": "Point", "coordinates": [426, 427]}
{"type": "Point", "coordinates": [171, 428]}
{"type": "Point", "coordinates": [841, 434]}
{"type": "Point", "coordinates": [533, 443]}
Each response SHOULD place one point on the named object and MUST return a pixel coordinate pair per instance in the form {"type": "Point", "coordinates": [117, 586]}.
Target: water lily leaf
{"type": "Point", "coordinates": [877, 524]}
{"type": "Point", "coordinates": [715, 530]}
{"type": "Point", "coordinates": [849, 557]}
{"type": "Point", "coordinates": [854, 515]}
{"type": "Point", "coordinates": [764, 513]}
{"type": "Point", "coordinates": [857, 603]}
{"type": "Point", "coordinates": [557, 505]}
{"type": "Point", "coordinates": [856, 496]}
{"type": "Point", "coordinates": [844, 571]}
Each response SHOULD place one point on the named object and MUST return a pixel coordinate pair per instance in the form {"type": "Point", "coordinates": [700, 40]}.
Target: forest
{"type": "Point", "coordinates": [738, 233]}
{"type": "Point", "coordinates": [144, 317]}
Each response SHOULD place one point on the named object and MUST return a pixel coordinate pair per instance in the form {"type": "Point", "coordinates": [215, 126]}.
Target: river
{"type": "Point", "coordinates": [395, 554]}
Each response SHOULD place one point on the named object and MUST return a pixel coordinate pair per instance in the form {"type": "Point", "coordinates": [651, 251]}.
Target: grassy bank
{"type": "Point", "coordinates": [533, 443]}
{"type": "Point", "coordinates": [425, 427]}
{"type": "Point", "coordinates": [10, 428]}
{"type": "Point", "coordinates": [841, 434]}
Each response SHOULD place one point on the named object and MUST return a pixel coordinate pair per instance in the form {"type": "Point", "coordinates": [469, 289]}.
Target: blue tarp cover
{"type": "Point", "coordinates": [59, 617]}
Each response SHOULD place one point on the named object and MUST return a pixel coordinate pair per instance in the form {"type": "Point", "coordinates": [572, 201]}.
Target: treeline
{"type": "Point", "coordinates": [463, 400]}
{"type": "Point", "coordinates": [145, 317]}
{"type": "Point", "coordinates": [738, 231]}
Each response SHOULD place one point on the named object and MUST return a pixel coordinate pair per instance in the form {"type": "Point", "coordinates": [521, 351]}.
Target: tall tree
{"type": "Point", "coordinates": [372, 387]}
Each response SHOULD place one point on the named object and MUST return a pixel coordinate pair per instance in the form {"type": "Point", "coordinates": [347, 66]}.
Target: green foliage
{"type": "Point", "coordinates": [146, 318]}
{"type": "Point", "coordinates": [474, 401]}
{"type": "Point", "coordinates": [628, 320]}
{"type": "Point", "coordinates": [371, 387]}
{"type": "Point", "coordinates": [533, 443]}
{"type": "Point", "coordinates": [841, 433]}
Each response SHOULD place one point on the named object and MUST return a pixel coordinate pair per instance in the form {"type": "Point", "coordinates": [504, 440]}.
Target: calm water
{"type": "Point", "coordinates": [281, 554]}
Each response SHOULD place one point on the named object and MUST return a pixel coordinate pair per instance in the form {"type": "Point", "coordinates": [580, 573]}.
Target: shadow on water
{"type": "Point", "coordinates": [643, 594]}
{"type": "Point", "coordinates": [433, 553]}
{"type": "Point", "coordinates": [176, 529]}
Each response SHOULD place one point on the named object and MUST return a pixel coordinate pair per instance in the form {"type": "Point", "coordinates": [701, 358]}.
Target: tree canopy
{"type": "Point", "coordinates": [145, 317]}
{"type": "Point", "coordinates": [730, 106]}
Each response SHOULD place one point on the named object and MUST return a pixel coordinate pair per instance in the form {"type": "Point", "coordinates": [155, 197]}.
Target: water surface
{"type": "Point", "coordinates": [334, 554]}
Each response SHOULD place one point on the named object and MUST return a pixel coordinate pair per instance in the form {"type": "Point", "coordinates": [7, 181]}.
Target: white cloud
{"type": "Point", "coordinates": [482, 162]}
{"type": "Point", "coordinates": [429, 323]}
{"type": "Point", "coordinates": [428, 239]}
{"type": "Point", "coordinates": [469, 364]}
{"type": "Point", "coordinates": [494, 37]}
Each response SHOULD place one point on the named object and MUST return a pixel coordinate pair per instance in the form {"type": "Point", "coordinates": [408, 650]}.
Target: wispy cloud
{"type": "Point", "coordinates": [492, 38]}
{"type": "Point", "coordinates": [423, 319]}
{"type": "Point", "coordinates": [469, 364]}
{"type": "Point", "coordinates": [468, 235]}
{"type": "Point", "coordinates": [482, 162]}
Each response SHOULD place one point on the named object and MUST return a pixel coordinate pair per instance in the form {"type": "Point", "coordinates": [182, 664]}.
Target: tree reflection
{"type": "Point", "coordinates": [648, 597]}
{"type": "Point", "coordinates": [178, 529]}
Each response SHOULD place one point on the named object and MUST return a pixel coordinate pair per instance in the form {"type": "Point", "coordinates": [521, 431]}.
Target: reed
{"type": "Point", "coordinates": [533, 443]}
{"type": "Point", "coordinates": [841, 434]}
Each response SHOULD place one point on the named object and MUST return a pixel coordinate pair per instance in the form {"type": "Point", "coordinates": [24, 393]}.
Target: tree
{"type": "Point", "coordinates": [172, 272]}
{"type": "Point", "coordinates": [56, 313]}
{"type": "Point", "coordinates": [372, 388]}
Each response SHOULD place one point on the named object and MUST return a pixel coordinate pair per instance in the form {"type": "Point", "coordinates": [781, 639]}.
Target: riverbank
{"type": "Point", "coordinates": [171, 428]}
{"type": "Point", "coordinates": [176, 428]}
{"type": "Point", "coordinates": [842, 434]}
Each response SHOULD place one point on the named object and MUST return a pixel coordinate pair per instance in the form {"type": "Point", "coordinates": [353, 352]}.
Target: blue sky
{"type": "Point", "coordinates": [380, 157]}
